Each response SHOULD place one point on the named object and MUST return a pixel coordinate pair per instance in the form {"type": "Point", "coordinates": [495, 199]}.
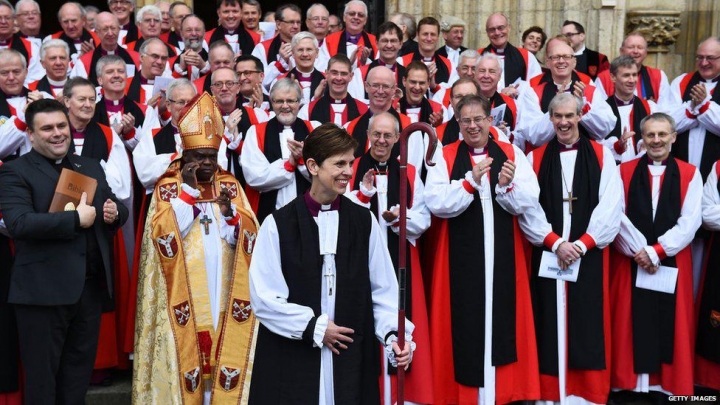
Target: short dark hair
{"type": "Point", "coordinates": [389, 26]}
{"type": "Point", "coordinates": [416, 65]}
{"type": "Point", "coordinates": [342, 59]}
{"type": "Point", "coordinates": [327, 140]}
{"type": "Point", "coordinates": [44, 106]}
{"type": "Point", "coordinates": [244, 58]}
{"type": "Point", "coordinates": [576, 24]}
{"type": "Point", "coordinates": [72, 83]}
{"type": "Point", "coordinates": [539, 30]}
{"type": "Point", "coordinates": [428, 21]}
{"type": "Point", "coordinates": [464, 80]}
{"type": "Point", "coordinates": [219, 3]}
{"type": "Point", "coordinates": [473, 99]}
{"type": "Point", "coordinates": [289, 6]}
{"type": "Point", "coordinates": [621, 61]}
{"type": "Point", "coordinates": [659, 116]}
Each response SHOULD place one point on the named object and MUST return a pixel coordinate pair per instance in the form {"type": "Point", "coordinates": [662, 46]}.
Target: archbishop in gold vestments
{"type": "Point", "coordinates": [194, 337]}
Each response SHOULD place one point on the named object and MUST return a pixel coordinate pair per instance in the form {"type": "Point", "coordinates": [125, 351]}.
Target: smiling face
{"type": "Point", "coordinates": [331, 178]}
{"type": "Point", "coordinates": [289, 25]}
{"type": "Point", "coordinates": [380, 87]}
{"type": "Point", "coordinates": [226, 95]}
{"type": "Point", "coordinates": [81, 106]}
{"type": "Point", "coordinates": [461, 90]}
{"type": "Point", "coordinates": [487, 74]}
{"type": "Point", "coordinates": [317, 21]}
{"type": "Point", "coordinates": [305, 52]}
{"type": "Point", "coordinates": [625, 81]}
{"type": "Point", "coordinates": [50, 135]}
{"type": "Point", "coordinates": [577, 38]}
{"type": "Point", "coordinates": [427, 37]}
{"type": "Point", "coordinates": [178, 99]}
{"type": "Point", "coordinates": [7, 22]}
{"type": "Point", "coordinates": [113, 79]}
{"type": "Point", "coordinates": [286, 104]}
{"type": "Point", "coordinates": [565, 120]}
{"type": "Point", "coordinates": [154, 60]}
{"type": "Point", "coordinates": [707, 60]}
{"type": "Point", "coordinates": [382, 135]}
{"type": "Point", "coordinates": [122, 10]}
{"type": "Point", "coordinates": [150, 25]}
{"type": "Point", "coordinates": [12, 75]}
{"type": "Point", "coordinates": [355, 19]}
{"type": "Point", "coordinates": [193, 31]}
{"type": "Point", "coordinates": [248, 76]}
{"type": "Point", "coordinates": [28, 18]}
{"type": "Point", "coordinates": [454, 38]}
{"type": "Point", "coordinates": [497, 28]}
{"type": "Point", "coordinates": [561, 68]}
{"type": "Point", "coordinates": [220, 57]}
{"type": "Point", "coordinates": [416, 86]}
{"type": "Point", "coordinates": [338, 77]}
{"type": "Point", "coordinates": [250, 16]}
{"type": "Point", "coordinates": [658, 138]}
{"type": "Point", "coordinates": [389, 45]}
{"type": "Point", "coordinates": [635, 46]}
{"type": "Point", "coordinates": [56, 63]}
{"type": "Point", "coordinates": [532, 42]}
{"type": "Point", "coordinates": [229, 16]}
{"type": "Point", "coordinates": [474, 125]}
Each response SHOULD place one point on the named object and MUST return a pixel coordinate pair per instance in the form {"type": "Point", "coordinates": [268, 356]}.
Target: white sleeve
{"type": "Point", "coordinates": [533, 221]}
{"type": "Point", "coordinates": [599, 120]}
{"type": "Point", "coordinates": [229, 232]}
{"type": "Point", "coordinates": [605, 218]}
{"type": "Point", "coordinates": [303, 113]}
{"type": "Point", "coordinates": [680, 235]}
{"type": "Point", "coordinates": [600, 89]}
{"type": "Point", "coordinates": [35, 69]}
{"type": "Point", "coordinates": [268, 290]}
{"type": "Point", "coordinates": [183, 211]}
{"type": "Point", "coordinates": [259, 173]}
{"type": "Point", "coordinates": [383, 286]}
{"type": "Point", "coordinates": [711, 202]}
{"type": "Point", "coordinates": [356, 87]}
{"type": "Point", "coordinates": [535, 127]}
{"type": "Point", "coordinates": [664, 95]}
{"type": "Point", "coordinates": [629, 240]}
{"type": "Point", "coordinates": [533, 69]}
{"type": "Point", "coordinates": [524, 189]}
{"type": "Point", "coordinates": [418, 216]}
{"type": "Point", "coordinates": [117, 170]}
{"type": "Point", "coordinates": [444, 198]}
{"type": "Point", "coordinates": [149, 165]}
{"type": "Point", "coordinates": [78, 70]}
{"type": "Point", "coordinates": [675, 107]}
{"type": "Point", "coordinates": [11, 138]}
{"type": "Point", "coordinates": [710, 118]}
{"type": "Point", "coordinates": [259, 52]}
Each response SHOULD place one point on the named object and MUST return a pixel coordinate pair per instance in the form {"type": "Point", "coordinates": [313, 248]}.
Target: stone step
{"type": "Point", "coordinates": [118, 393]}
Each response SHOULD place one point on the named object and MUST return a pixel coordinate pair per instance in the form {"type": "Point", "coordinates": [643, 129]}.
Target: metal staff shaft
{"type": "Point", "coordinates": [402, 245]}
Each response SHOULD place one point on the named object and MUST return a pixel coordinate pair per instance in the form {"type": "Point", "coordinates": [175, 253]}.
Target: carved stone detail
{"type": "Point", "coordinates": [660, 28]}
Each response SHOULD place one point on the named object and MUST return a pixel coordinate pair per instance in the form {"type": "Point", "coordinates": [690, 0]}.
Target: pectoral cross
{"type": "Point", "coordinates": [205, 221]}
{"type": "Point", "coordinates": [330, 279]}
{"type": "Point", "coordinates": [570, 199]}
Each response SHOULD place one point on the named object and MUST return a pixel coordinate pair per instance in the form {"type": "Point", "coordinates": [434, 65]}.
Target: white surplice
{"type": "Point", "coordinates": [602, 228]}
{"type": "Point", "coordinates": [269, 292]}
{"type": "Point", "coordinates": [448, 199]}
{"type": "Point", "coordinates": [711, 202]}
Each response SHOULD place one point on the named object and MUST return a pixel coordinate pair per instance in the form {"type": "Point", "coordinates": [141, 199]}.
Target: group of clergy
{"type": "Point", "coordinates": [530, 250]}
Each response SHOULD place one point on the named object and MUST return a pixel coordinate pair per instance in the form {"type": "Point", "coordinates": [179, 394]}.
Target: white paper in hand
{"type": "Point", "coordinates": [161, 84]}
{"type": "Point", "coordinates": [549, 268]}
{"type": "Point", "coordinates": [498, 114]}
{"type": "Point", "coordinates": [663, 280]}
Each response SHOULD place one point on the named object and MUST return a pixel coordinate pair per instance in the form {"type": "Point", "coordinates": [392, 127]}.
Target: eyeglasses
{"type": "Point", "coordinates": [379, 86]}
{"type": "Point", "coordinates": [294, 22]}
{"type": "Point", "coordinates": [151, 21]}
{"type": "Point", "coordinates": [318, 18]}
{"type": "Point", "coordinates": [219, 85]}
{"type": "Point", "coordinates": [477, 120]}
{"type": "Point", "coordinates": [701, 58]}
{"type": "Point", "coordinates": [498, 28]}
{"type": "Point", "coordinates": [28, 13]}
{"type": "Point", "coordinates": [155, 56]}
{"type": "Point", "coordinates": [355, 14]}
{"type": "Point", "coordinates": [570, 35]}
{"type": "Point", "coordinates": [179, 103]}
{"type": "Point", "coordinates": [556, 58]}
{"type": "Point", "coordinates": [289, 102]}
{"type": "Point", "coordinates": [119, 2]}
{"type": "Point", "coordinates": [388, 41]}
{"type": "Point", "coordinates": [378, 135]}
{"type": "Point", "coordinates": [246, 72]}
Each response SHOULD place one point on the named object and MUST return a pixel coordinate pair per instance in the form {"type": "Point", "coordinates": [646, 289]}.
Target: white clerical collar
{"type": "Point", "coordinates": [56, 83]}
{"type": "Point", "coordinates": [109, 52]}
{"type": "Point", "coordinates": [580, 51]}
{"type": "Point", "coordinates": [306, 75]}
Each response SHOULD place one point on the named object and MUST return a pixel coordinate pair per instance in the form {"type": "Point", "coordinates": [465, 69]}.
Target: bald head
{"type": "Point", "coordinates": [707, 58]}
{"type": "Point", "coordinates": [497, 28]}
{"type": "Point", "coordinates": [107, 27]}
{"type": "Point", "coordinates": [380, 86]}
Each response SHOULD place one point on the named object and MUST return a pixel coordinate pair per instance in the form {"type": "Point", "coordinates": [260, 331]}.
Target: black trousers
{"type": "Point", "coordinates": [58, 346]}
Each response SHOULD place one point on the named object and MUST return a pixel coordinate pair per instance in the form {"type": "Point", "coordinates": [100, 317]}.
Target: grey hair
{"type": "Point", "coordinates": [353, 2]}
{"type": "Point", "coordinates": [470, 54]}
{"type": "Point", "coordinates": [314, 6]}
{"type": "Point", "coordinates": [72, 83]}
{"type": "Point", "coordinates": [53, 43]}
{"type": "Point", "coordinates": [152, 9]}
{"type": "Point", "coordinates": [659, 116]}
{"type": "Point", "coordinates": [177, 83]}
{"type": "Point", "coordinates": [286, 83]}
{"type": "Point", "coordinates": [176, 4]}
{"type": "Point", "coordinates": [147, 43]}
{"type": "Point", "coordinates": [409, 22]}
{"type": "Point", "coordinates": [33, 2]}
{"type": "Point", "coordinates": [489, 56]}
{"type": "Point", "coordinates": [621, 61]}
{"type": "Point", "coordinates": [563, 98]}
{"type": "Point", "coordinates": [212, 75]}
{"type": "Point", "coordinates": [8, 5]}
{"type": "Point", "coordinates": [108, 60]}
{"type": "Point", "coordinates": [303, 35]}
{"type": "Point", "coordinates": [8, 52]}
{"type": "Point", "coordinates": [91, 9]}
{"type": "Point", "coordinates": [79, 6]}
{"type": "Point", "coordinates": [385, 114]}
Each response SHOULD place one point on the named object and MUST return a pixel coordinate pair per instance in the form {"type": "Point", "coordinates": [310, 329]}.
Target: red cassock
{"type": "Point", "coordinates": [513, 382]}
{"type": "Point", "coordinates": [677, 377]}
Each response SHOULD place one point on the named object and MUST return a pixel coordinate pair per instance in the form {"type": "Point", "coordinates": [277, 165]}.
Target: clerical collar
{"type": "Point", "coordinates": [410, 106]}
{"type": "Point", "coordinates": [125, 27]}
{"type": "Point", "coordinates": [304, 77]}
{"type": "Point", "coordinates": [427, 58]}
{"type": "Point", "coordinates": [321, 42]}
{"type": "Point", "coordinates": [714, 80]}
{"type": "Point", "coordinates": [315, 207]}
{"type": "Point", "coordinates": [391, 67]}
{"type": "Point", "coordinates": [580, 51]}
{"type": "Point", "coordinates": [143, 80]}
{"type": "Point", "coordinates": [55, 83]}
{"type": "Point", "coordinates": [655, 163]}
{"type": "Point", "coordinates": [113, 103]}
{"type": "Point", "coordinates": [104, 52]}
{"type": "Point", "coordinates": [229, 32]}
{"type": "Point", "coordinates": [621, 103]}
{"type": "Point", "coordinates": [5, 42]}
{"type": "Point", "coordinates": [567, 88]}
{"type": "Point", "coordinates": [77, 133]}
{"type": "Point", "coordinates": [340, 101]}
{"type": "Point", "coordinates": [381, 167]}
{"type": "Point", "coordinates": [59, 164]}
{"type": "Point", "coordinates": [352, 38]}
{"type": "Point", "coordinates": [567, 148]}
{"type": "Point", "coordinates": [499, 51]}
{"type": "Point", "coordinates": [175, 129]}
{"type": "Point", "coordinates": [477, 151]}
